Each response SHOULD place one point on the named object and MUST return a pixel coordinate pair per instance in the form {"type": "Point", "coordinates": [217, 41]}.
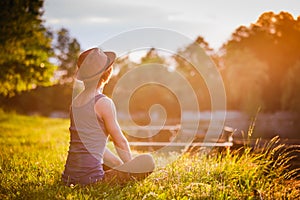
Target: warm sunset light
{"type": "Point", "coordinates": [149, 99]}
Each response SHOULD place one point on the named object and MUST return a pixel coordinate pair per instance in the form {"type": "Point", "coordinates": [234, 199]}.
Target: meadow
{"type": "Point", "coordinates": [34, 149]}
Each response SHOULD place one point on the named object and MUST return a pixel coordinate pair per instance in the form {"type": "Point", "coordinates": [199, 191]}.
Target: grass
{"type": "Point", "coordinates": [34, 149]}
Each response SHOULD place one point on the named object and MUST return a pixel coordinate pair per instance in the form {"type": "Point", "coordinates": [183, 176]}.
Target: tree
{"type": "Point", "coordinates": [273, 39]}
{"type": "Point", "coordinates": [155, 93]}
{"type": "Point", "coordinates": [25, 47]}
{"type": "Point", "coordinates": [197, 54]}
{"type": "Point", "coordinates": [145, 95]}
{"type": "Point", "coordinates": [152, 56]}
{"type": "Point", "coordinates": [67, 51]}
{"type": "Point", "coordinates": [245, 78]}
{"type": "Point", "coordinates": [290, 98]}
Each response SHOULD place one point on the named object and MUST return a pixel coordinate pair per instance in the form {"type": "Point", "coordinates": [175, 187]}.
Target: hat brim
{"type": "Point", "coordinates": [111, 59]}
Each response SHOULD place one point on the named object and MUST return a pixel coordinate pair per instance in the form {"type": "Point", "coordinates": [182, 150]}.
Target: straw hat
{"type": "Point", "coordinates": [93, 62]}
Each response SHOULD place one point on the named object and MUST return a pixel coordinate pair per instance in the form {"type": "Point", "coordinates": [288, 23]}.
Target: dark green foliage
{"type": "Point", "coordinates": [42, 100]}
{"type": "Point", "coordinates": [25, 47]}
{"type": "Point", "coordinates": [67, 51]}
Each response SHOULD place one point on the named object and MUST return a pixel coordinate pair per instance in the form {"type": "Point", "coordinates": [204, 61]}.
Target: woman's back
{"type": "Point", "coordinates": [87, 144]}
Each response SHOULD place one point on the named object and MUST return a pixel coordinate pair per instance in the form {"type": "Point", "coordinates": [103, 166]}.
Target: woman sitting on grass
{"type": "Point", "coordinates": [93, 120]}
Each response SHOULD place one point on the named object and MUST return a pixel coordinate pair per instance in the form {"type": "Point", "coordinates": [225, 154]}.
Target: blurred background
{"type": "Point", "coordinates": [258, 59]}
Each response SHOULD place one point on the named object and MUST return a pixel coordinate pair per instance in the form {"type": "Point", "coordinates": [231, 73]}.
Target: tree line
{"type": "Point", "coordinates": [259, 64]}
{"type": "Point", "coordinates": [31, 54]}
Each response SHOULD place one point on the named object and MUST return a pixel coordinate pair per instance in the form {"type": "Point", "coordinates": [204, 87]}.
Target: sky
{"type": "Point", "coordinates": [92, 22]}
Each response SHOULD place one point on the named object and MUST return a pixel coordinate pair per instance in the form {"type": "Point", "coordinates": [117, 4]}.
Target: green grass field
{"type": "Point", "coordinates": [34, 149]}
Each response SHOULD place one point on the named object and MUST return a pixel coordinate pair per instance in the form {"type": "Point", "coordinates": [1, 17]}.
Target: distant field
{"type": "Point", "coordinates": [33, 152]}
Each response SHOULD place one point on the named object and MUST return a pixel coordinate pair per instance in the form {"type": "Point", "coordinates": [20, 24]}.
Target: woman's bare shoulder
{"type": "Point", "coordinates": [105, 105]}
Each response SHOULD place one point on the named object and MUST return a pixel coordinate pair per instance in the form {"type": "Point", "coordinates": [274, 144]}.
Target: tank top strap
{"type": "Point", "coordinates": [98, 96]}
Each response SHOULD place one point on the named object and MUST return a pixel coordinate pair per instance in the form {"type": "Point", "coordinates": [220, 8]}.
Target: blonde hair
{"type": "Point", "coordinates": [105, 77]}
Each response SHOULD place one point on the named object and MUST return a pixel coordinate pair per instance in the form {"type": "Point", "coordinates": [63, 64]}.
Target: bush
{"type": "Point", "coordinates": [42, 100]}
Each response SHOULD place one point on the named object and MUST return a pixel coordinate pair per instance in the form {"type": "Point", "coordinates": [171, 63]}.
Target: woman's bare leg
{"type": "Point", "coordinates": [137, 169]}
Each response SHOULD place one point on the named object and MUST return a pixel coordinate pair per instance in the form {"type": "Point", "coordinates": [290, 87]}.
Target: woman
{"type": "Point", "coordinates": [93, 120]}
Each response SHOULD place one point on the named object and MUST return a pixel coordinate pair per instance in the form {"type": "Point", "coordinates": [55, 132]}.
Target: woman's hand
{"type": "Point", "coordinates": [110, 159]}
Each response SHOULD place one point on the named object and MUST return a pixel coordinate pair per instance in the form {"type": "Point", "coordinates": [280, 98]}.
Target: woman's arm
{"type": "Point", "coordinates": [106, 110]}
{"type": "Point", "coordinates": [110, 159]}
